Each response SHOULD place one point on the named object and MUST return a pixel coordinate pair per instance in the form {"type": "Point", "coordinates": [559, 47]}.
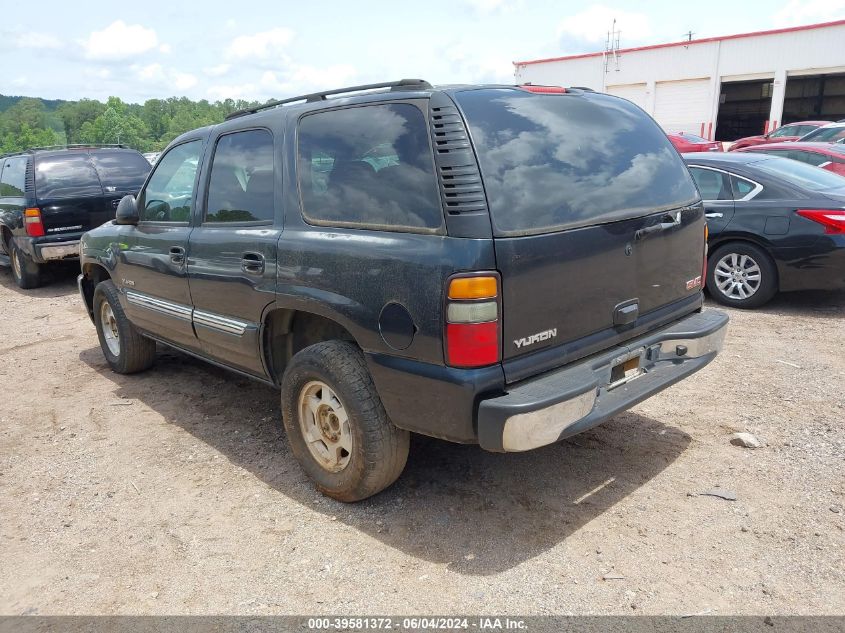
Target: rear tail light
{"type": "Point", "coordinates": [549, 90]}
{"type": "Point", "coordinates": [32, 222]}
{"type": "Point", "coordinates": [704, 266]}
{"type": "Point", "coordinates": [472, 321]}
{"type": "Point", "coordinates": [833, 220]}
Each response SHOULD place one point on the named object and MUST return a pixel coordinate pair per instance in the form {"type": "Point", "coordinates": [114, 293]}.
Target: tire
{"type": "Point", "coordinates": [132, 352]}
{"type": "Point", "coordinates": [25, 272]}
{"type": "Point", "coordinates": [733, 269]}
{"type": "Point", "coordinates": [357, 452]}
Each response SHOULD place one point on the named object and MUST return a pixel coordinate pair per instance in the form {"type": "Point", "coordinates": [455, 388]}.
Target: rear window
{"type": "Point", "coordinates": [554, 162]}
{"type": "Point", "coordinates": [121, 172]}
{"type": "Point", "coordinates": [826, 134]}
{"type": "Point", "coordinates": [800, 174]}
{"type": "Point", "coordinates": [65, 176]}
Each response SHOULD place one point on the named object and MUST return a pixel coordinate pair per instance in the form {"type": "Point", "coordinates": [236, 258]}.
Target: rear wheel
{"type": "Point", "coordinates": [336, 424]}
{"type": "Point", "coordinates": [26, 273]}
{"type": "Point", "coordinates": [123, 346]}
{"type": "Point", "coordinates": [741, 275]}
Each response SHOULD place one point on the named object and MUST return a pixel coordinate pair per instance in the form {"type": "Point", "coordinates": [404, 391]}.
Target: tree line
{"type": "Point", "coordinates": [27, 122]}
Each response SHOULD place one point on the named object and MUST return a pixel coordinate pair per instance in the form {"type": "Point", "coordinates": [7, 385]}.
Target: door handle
{"type": "Point", "coordinates": [668, 221]}
{"type": "Point", "coordinates": [177, 255]}
{"type": "Point", "coordinates": [713, 215]}
{"type": "Point", "coordinates": [252, 263]}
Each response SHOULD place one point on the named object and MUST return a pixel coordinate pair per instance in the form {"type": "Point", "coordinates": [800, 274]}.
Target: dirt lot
{"type": "Point", "coordinates": [174, 491]}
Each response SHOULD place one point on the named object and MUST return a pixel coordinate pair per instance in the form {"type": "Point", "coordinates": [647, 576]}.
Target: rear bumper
{"type": "Point", "coordinates": [572, 399]}
{"type": "Point", "coordinates": [50, 248]}
{"type": "Point", "coordinates": [817, 267]}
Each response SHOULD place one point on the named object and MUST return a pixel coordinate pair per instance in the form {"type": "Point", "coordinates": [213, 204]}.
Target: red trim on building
{"type": "Point", "coordinates": [706, 40]}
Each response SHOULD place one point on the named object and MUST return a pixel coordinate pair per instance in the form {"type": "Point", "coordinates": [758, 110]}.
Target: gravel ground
{"type": "Point", "coordinates": [174, 491]}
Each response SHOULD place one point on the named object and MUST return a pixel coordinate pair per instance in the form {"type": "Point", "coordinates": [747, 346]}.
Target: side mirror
{"type": "Point", "coordinates": [127, 211]}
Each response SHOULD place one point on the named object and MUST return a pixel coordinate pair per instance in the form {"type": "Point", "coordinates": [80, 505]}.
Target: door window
{"type": "Point", "coordinates": [169, 194]}
{"type": "Point", "coordinates": [241, 188]}
{"type": "Point", "coordinates": [12, 184]}
{"type": "Point", "coordinates": [713, 185]}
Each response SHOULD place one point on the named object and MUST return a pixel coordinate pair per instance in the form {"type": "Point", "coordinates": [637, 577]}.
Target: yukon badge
{"type": "Point", "coordinates": [525, 341]}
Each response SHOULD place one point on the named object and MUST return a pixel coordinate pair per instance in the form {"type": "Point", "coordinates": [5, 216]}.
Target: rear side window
{"type": "Point", "coordinates": [369, 166]}
{"type": "Point", "coordinates": [66, 176]}
{"type": "Point", "coordinates": [554, 162]}
{"type": "Point", "coordinates": [121, 172]}
{"type": "Point", "coordinates": [12, 182]}
{"type": "Point", "coordinates": [241, 185]}
{"type": "Point", "coordinates": [713, 185]}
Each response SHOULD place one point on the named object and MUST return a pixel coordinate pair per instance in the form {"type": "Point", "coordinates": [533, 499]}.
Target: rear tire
{"type": "Point", "coordinates": [125, 349]}
{"type": "Point", "coordinates": [25, 272]}
{"type": "Point", "coordinates": [741, 275]}
{"type": "Point", "coordinates": [336, 424]}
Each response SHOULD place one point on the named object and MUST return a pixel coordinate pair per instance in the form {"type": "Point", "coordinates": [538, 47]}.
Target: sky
{"type": "Point", "coordinates": [257, 50]}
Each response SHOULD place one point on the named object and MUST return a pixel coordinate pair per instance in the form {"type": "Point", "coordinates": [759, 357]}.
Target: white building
{"type": "Point", "coordinates": [722, 88]}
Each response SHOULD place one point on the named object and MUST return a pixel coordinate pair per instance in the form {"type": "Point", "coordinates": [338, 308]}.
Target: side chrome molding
{"type": "Point", "coordinates": [218, 322]}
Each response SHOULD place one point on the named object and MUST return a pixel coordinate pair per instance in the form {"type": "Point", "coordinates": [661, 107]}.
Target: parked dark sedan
{"type": "Point", "coordinates": [775, 225]}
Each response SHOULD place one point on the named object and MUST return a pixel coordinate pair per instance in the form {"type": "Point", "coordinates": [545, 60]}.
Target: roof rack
{"type": "Point", "coordinates": [402, 84]}
{"type": "Point", "coordinates": [69, 146]}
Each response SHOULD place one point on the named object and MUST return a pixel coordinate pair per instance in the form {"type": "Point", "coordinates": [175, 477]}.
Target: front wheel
{"type": "Point", "coordinates": [336, 424]}
{"type": "Point", "coordinates": [741, 275]}
{"type": "Point", "coordinates": [123, 346]}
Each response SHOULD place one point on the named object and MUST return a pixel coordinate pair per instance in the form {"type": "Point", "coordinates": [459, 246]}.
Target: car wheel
{"type": "Point", "coordinates": [336, 424]}
{"type": "Point", "coordinates": [25, 272]}
{"type": "Point", "coordinates": [741, 275]}
{"type": "Point", "coordinates": [125, 349]}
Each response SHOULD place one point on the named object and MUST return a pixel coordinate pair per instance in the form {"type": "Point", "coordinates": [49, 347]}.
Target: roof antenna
{"type": "Point", "coordinates": [611, 48]}
{"type": "Point", "coordinates": [688, 35]}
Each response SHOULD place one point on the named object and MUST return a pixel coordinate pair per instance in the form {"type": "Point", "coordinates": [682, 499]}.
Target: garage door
{"type": "Point", "coordinates": [631, 92]}
{"type": "Point", "coordinates": [682, 106]}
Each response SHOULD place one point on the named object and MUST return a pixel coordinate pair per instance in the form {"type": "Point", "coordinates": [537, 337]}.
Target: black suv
{"type": "Point", "coordinates": [50, 196]}
{"type": "Point", "coordinates": [499, 265]}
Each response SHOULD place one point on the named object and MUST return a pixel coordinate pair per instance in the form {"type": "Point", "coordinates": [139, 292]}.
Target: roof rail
{"type": "Point", "coordinates": [402, 84]}
{"type": "Point", "coordinates": [29, 150]}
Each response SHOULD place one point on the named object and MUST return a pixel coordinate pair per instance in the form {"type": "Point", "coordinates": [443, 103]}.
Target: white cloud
{"type": "Point", "coordinates": [20, 81]}
{"type": "Point", "coordinates": [798, 12]}
{"type": "Point", "coordinates": [229, 91]}
{"type": "Point", "coordinates": [494, 6]}
{"type": "Point", "coordinates": [261, 45]}
{"type": "Point", "coordinates": [120, 41]}
{"type": "Point", "coordinates": [166, 77]}
{"type": "Point", "coordinates": [98, 73]}
{"type": "Point", "coordinates": [593, 23]}
{"type": "Point", "coordinates": [35, 39]}
{"type": "Point", "coordinates": [164, 48]}
{"type": "Point", "coordinates": [217, 71]}
{"type": "Point", "coordinates": [183, 81]}
{"type": "Point", "coordinates": [301, 79]}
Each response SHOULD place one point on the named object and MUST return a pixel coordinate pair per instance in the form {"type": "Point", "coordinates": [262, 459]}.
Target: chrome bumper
{"type": "Point", "coordinates": [577, 397]}
{"type": "Point", "coordinates": [59, 251]}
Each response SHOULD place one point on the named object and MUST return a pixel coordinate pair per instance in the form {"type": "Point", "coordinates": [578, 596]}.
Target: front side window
{"type": "Point", "coordinates": [12, 184]}
{"type": "Point", "coordinates": [169, 194]}
{"type": "Point", "coordinates": [241, 187]}
{"type": "Point", "coordinates": [713, 185]}
{"type": "Point", "coordinates": [66, 176]}
{"type": "Point", "coordinates": [369, 166]}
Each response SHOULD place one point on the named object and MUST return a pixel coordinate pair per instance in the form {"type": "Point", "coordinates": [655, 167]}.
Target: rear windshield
{"type": "Point", "coordinates": [554, 162]}
{"type": "Point", "coordinates": [800, 174]}
{"type": "Point", "coordinates": [121, 172]}
{"type": "Point", "coordinates": [65, 176]}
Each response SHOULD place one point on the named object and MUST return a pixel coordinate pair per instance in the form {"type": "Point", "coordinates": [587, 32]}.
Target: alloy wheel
{"type": "Point", "coordinates": [737, 276]}
{"type": "Point", "coordinates": [325, 426]}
